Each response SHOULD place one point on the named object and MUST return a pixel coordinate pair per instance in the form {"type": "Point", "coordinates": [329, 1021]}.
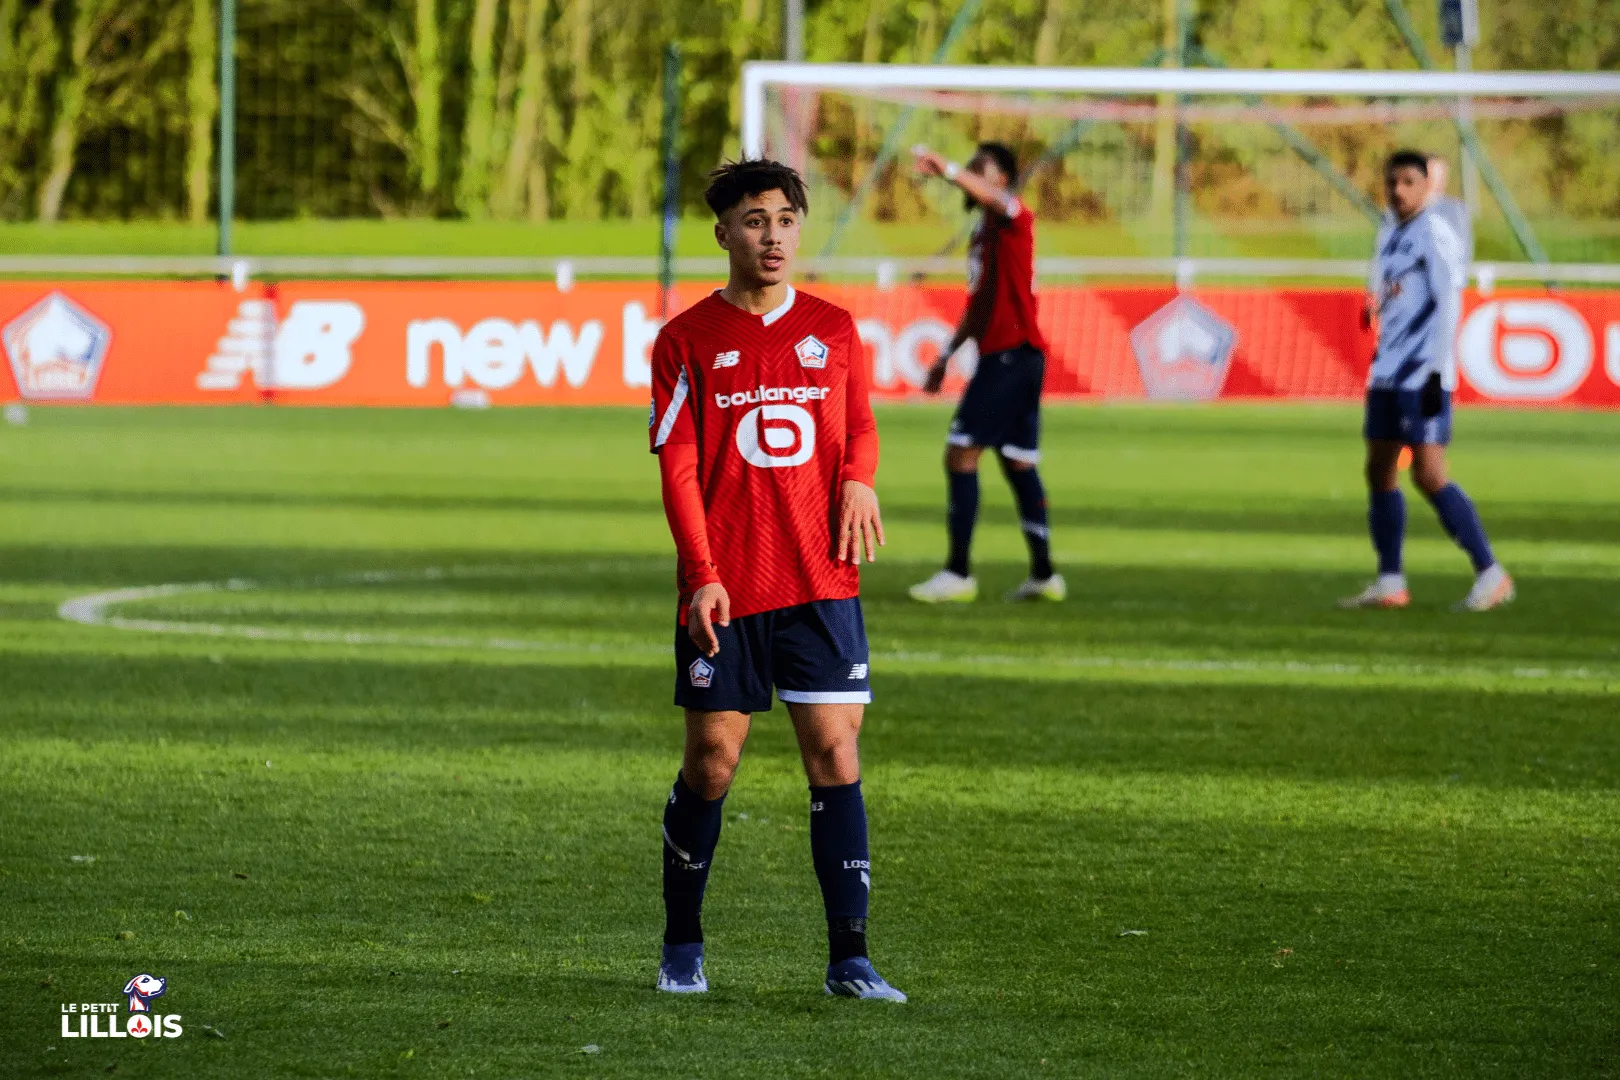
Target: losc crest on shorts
{"type": "Point", "coordinates": [812, 653]}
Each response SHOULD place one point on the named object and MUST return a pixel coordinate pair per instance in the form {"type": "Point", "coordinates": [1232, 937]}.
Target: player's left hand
{"type": "Point", "coordinates": [936, 376]}
{"type": "Point", "coordinates": [859, 523]}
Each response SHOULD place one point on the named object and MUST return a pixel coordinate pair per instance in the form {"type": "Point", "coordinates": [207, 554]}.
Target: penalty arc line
{"type": "Point", "coordinates": [92, 610]}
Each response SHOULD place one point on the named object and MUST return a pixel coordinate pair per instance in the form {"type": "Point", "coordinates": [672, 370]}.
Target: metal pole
{"type": "Point", "coordinates": [793, 30]}
{"type": "Point", "coordinates": [672, 176]}
{"type": "Point", "coordinates": [1183, 179]}
{"type": "Point", "coordinates": [227, 122]}
{"type": "Point", "coordinates": [1522, 230]}
{"type": "Point", "coordinates": [1465, 122]}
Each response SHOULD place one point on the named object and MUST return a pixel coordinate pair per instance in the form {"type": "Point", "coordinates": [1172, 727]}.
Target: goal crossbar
{"type": "Point", "coordinates": [760, 75]}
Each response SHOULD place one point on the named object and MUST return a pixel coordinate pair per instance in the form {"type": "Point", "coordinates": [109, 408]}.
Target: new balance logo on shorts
{"type": "Point", "coordinates": [701, 672]}
{"type": "Point", "coordinates": [858, 671]}
{"type": "Point", "coordinates": [727, 359]}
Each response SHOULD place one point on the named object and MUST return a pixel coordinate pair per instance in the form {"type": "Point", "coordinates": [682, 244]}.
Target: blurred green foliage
{"type": "Point", "coordinates": [549, 109]}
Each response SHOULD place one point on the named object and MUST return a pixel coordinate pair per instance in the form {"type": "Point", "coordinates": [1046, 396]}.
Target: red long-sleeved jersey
{"type": "Point", "coordinates": [758, 420]}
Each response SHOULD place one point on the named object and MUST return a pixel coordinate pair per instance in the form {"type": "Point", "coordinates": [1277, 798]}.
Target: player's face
{"type": "Point", "coordinates": [762, 235]}
{"type": "Point", "coordinates": [1407, 188]}
{"type": "Point", "coordinates": [985, 166]}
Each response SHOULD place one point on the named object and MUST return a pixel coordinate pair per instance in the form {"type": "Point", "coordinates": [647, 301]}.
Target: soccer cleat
{"type": "Point", "coordinates": [1053, 588]}
{"type": "Point", "coordinates": [857, 978]}
{"type": "Point", "coordinates": [1492, 588]}
{"type": "Point", "coordinates": [682, 970]}
{"type": "Point", "coordinates": [1387, 591]}
{"type": "Point", "coordinates": [946, 588]}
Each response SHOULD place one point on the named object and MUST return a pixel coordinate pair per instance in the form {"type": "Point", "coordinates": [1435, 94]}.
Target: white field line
{"type": "Point", "coordinates": [92, 610]}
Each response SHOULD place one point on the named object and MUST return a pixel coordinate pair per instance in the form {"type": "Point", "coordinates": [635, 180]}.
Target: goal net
{"type": "Point", "coordinates": [1135, 168]}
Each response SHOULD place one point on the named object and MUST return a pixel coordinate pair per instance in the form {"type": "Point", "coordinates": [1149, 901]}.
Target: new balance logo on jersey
{"type": "Point", "coordinates": [701, 672]}
{"type": "Point", "coordinates": [811, 352]}
{"type": "Point", "coordinates": [727, 359]}
{"type": "Point", "coordinates": [857, 671]}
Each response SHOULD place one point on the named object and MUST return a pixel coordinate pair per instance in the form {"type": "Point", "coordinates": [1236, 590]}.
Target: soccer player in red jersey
{"type": "Point", "coordinates": [1001, 408]}
{"type": "Point", "coordinates": [768, 451]}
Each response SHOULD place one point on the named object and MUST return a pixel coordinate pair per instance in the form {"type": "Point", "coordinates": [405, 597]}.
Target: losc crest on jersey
{"type": "Point", "coordinates": [812, 353]}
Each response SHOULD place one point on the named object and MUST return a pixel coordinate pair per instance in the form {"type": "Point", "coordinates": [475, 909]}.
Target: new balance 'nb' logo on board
{"type": "Point", "coordinates": [727, 359]}
{"type": "Point", "coordinates": [857, 671]}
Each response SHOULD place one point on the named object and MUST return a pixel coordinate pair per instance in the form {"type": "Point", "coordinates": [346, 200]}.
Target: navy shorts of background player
{"type": "Point", "coordinates": [1412, 417]}
{"type": "Point", "coordinates": [1001, 407]}
{"type": "Point", "coordinates": [813, 653]}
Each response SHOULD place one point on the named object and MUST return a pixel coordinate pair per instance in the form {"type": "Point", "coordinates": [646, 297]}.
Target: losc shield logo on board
{"type": "Point", "coordinates": [56, 349]}
{"type": "Point", "coordinates": [1183, 350]}
{"type": "Point", "coordinates": [776, 436]}
{"type": "Point", "coordinates": [99, 1019]}
{"type": "Point", "coordinates": [1527, 349]}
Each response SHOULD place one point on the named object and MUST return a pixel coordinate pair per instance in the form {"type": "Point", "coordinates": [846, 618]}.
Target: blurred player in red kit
{"type": "Point", "coordinates": [768, 451]}
{"type": "Point", "coordinates": [1001, 408]}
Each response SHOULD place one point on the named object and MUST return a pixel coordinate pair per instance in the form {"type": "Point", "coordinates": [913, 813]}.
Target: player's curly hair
{"type": "Point", "coordinates": [735, 181]}
{"type": "Point", "coordinates": [1407, 159]}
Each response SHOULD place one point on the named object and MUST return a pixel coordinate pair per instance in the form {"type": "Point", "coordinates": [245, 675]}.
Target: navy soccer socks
{"type": "Point", "coordinates": [960, 515]}
{"type": "Point", "coordinates": [843, 866]}
{"type": "Point", "coordinates": [1031, 496]}
{"type": "Point", "coordinates": [1386, 520]}
{"type": "Point", "coordinates": [1461, 522]}
{"type": "Point", "coordinates": [691, 831]}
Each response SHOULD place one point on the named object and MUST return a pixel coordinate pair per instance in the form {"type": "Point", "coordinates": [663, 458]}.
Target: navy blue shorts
{"type": "Point", "coordinates": [1001, 407]}
{"type": "Point", "coordinates": [1397, 415]}
{"type": "Point", "coordinates": [814, 653]}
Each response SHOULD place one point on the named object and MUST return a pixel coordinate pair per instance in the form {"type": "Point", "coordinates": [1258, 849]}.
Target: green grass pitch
{"type": "Point", "coordinates": [388, 804]}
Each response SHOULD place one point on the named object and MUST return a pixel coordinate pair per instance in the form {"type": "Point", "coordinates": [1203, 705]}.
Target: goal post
{"type": "Point", "coordinates": [1269, 164]}
{"type": "Point", "coordinates": [759, 75]}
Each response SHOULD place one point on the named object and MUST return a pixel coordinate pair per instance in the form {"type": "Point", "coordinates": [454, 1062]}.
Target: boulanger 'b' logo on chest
{"type": "Point", "coordinates": [812, 353]}
{"type": "Point", "coordinates": [776, 436]}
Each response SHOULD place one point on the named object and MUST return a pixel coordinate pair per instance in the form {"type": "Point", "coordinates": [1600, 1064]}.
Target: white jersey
{"type": "Point", "coordinates": [1417, 281]}
{"type": "Point", "coordinates": [1453, 212]}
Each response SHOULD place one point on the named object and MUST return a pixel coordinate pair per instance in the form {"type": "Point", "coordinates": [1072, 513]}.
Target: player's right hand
{"type": "Point", "coordinates": [927, 161]}
{"type": "Point", "coordinates": [936, 376]}
{"type": "Point", "coordinates": [711, 607]}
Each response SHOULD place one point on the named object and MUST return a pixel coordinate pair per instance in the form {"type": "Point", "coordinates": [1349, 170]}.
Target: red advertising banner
{"type": "Point", "coordinates": [526, 343]}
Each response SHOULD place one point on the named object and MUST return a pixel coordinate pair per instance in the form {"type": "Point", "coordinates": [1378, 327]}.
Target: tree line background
{"type": "Point", "coordinates": [548, 109]}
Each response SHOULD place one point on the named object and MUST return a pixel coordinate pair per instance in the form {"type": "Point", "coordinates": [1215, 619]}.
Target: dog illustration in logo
{"type": "Point", "coordinates": [142, 989]}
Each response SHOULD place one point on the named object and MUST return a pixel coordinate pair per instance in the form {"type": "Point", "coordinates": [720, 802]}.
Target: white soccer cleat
{"type": "Point", "coordinates": [1387, 591]}
{"type": "Point", "coordinates": [1053, 588]}
{"type": "Point", "coordinates": [1492, 588]}
{"type": "Point", "coordinates": [946, 588]}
